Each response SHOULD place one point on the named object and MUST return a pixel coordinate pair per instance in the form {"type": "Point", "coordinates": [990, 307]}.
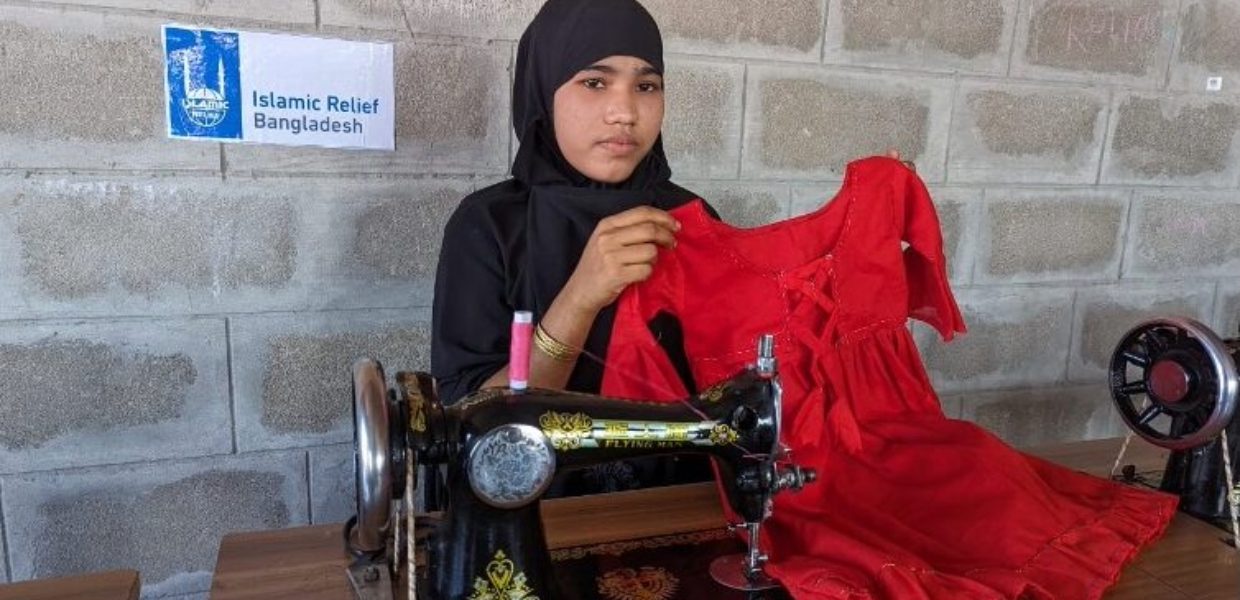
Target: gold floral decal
{"type": "Point", "coordinates": [415, 400]}
{"type": "Point", "coordinates": [646, 583]}
{"type": "Point", "coordinates": [722, 435]}
{"type": "Point", "coordinates": [502, 582]}
{"type": "Point", "coordinates": [566, 430]}
{"type": "Point", "coordinates": [618, 548]}
{"type": "Point", "coordinates": [478, 397]}
{"type": "Point", "coordinates": [714, 394]}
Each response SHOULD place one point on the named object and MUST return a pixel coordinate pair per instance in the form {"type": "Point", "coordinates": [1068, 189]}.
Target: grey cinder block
{"type": "Point", "coordinates": [164, 519]}
{"type": "Point", "coordinates": [476, 19]}
{"type": "Point", "coordinates": [702, 127]}
{"type": "Point", "coordinates": [779, 29]}
{"type": "Point", "coordinates": [175, 246]}
{"type": "Point", "coordinates": [282, 11]}
{"type": "Point", "coordinates": [1044, 235]}
{"type": "Point", "coordinates": [1048, 415]}
{"type": "Point", "coordinates": [1095, 40]}
{"type": "Point", "coordinates": [1017, 337]}
{"type": "Point", "coordinates": [1181, 235]}
{"type": "Point", "coordinates": [1227, 310]}
{"type": "Point", "coordinates": [939, 35]}
{"type": "Point", "coordinates": [333, 488]}
{"type": "Point", "coordinates": [809, 123]}
{"type": "Point", "coordinates": [68, 81]}
{"type": "Point", "coordinates": [93, 393]}
{"type": "Point", "coordinates": [744, 204]}
{"type": "Point", "coordinates": [1173, 140]}
{"type": "Point", "coordinates": [291, 373]}
{"type": "Point", "coordinates": [1104, 314]}
{"type": "Point", "coordinates": [146, 238]}
{"type": "Point", "coordinates": [1021, 133]}
{"type": "Point", "coordinates": [4, 555]}
{"type": "Point", "coordinates": [1209, 46]}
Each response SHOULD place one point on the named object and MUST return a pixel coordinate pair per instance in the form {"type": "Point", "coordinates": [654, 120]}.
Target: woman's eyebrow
{"type": "Point", "coordinates": [610, 70]}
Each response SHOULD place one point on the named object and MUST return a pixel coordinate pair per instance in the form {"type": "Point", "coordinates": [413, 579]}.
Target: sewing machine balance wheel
{"type": "Point", "coordinates": [382, 470]}
{"type": "Point", "coordinates": [372, 456]}
{"type": "Point", "coordinates": [1174, 382]}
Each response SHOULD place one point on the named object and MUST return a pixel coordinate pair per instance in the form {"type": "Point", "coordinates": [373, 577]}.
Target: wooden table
{"type": "Point", "coordinates": [110, 585]}
{"type": "Point", "coordinates": [1191, 562]}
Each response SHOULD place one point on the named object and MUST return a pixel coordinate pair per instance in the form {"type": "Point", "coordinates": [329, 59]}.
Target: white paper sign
{"type": "Point", "coordinates": [239, 86]}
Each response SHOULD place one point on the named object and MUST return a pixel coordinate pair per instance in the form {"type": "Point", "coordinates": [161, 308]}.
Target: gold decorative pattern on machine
{"type": "Point", "coordinates": [573, 431]}
{"type": "Point", "coordinates": [415, 400]}
{"type": "Point", "coordinates": [723, 435]}
{"type": "Point", "coordinates": [714, 394]}
{"type": "Point", "coordinates": [566, 430]}
{"type": "Point", "coordinates": [645, 583]}
{"type": "Point", "coordinates": [502, 581]}
{"type": "Point", "coordinates": [663, 541]}
{"type": "Point", "coordinates": [479, 397]}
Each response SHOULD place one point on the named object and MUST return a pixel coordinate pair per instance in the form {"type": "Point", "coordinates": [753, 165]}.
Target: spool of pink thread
{"type": "Point", "coordinates": [519, 350]}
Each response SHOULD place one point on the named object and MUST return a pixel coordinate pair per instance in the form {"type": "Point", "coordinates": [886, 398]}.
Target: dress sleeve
{"type": "Point", "coordinates": [638, 368]}
{"type": "Point", "coordinates": [470, 316]}
{"type": "Point", "coordinates": [930, 298]}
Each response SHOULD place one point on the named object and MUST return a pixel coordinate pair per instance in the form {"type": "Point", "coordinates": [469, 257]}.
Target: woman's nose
{"type": "Point", "coordinates": [622, 110]}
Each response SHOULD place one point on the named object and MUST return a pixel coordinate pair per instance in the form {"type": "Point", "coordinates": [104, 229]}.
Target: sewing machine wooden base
{"type": "Point", "coordinates": [1190, 562]}
{"type": "Point", "coordinates": [108, 585]}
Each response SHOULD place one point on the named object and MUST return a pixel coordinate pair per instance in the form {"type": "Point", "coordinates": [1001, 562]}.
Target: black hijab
{"type": "Point", "coordinates": [565, 37]}
{"type": "Point", "coordinates": [565, 206]}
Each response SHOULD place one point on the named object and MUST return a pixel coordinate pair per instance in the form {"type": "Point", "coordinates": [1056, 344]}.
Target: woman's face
{"type": "Point", "coordinates": [608, 116]}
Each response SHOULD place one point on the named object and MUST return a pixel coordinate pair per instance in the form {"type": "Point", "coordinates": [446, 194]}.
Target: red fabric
{"type": "Point", "coordinates": [909, 504]}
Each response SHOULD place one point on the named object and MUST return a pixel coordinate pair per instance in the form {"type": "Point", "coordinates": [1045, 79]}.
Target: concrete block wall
{"type": "Point", "coordinates": [176, 318]}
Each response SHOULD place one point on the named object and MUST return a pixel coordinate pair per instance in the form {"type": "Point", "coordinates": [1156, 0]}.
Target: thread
{"type": "Point", "coordinates": [519, 350]}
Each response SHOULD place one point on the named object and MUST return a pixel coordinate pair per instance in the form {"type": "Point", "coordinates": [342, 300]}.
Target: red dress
{"type": "Point", "coordinates": [909, 504]}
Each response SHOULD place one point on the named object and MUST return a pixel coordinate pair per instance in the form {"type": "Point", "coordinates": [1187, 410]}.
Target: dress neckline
{"type": "Point", "coordinates": [718, 231]}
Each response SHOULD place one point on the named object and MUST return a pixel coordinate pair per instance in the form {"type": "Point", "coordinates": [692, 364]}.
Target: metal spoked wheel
{"type": "Point", "coordinates": [1174, 382]}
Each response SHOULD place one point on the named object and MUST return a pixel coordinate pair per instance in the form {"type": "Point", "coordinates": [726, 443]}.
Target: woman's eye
{"type": "Point", "coordinates": [649, 87]}
{"type": "Point", "coordinates": [593, 83]}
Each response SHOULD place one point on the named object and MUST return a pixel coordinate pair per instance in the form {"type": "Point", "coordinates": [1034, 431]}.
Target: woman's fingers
{"type": "Point", "coordinates": [645, 232]}
{"type": "Point", "coordinates": [893, 153]}
{"type": "Point", "coordinates": [640, 214]}
{"type": "Point", "coordinates": [622, 251]}
{"type": "Point", "coordinates": [640, 254]}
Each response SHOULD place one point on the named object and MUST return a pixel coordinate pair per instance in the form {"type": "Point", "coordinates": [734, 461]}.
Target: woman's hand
{"type": "Point", "coordinates": [893, 153]}
{"type": "Point", "coordinates": [622, 250]}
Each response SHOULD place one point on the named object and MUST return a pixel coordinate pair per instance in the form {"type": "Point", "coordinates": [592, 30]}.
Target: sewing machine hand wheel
{"type": "Point", "coordinates": [382, 469]}
{"type": "Point", "coordinates": [1180, 369]}
{"type": "Point", "coordinates": [372, 456]}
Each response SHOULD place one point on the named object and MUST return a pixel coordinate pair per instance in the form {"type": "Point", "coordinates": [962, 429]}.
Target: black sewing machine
{"type": "Point", "coordinates": [501, 448]}
{"type": "Point", "coordinates": [1175, 384]}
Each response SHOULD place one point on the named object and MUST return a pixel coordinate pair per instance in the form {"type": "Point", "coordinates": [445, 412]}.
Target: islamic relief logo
{"type": "Point", "coordinates": [203, 105]}
{"type": "Point", "coordinates": [203, 73]}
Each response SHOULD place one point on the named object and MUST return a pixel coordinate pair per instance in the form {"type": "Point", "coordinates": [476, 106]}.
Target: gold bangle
{"type": "Point", "coordinates": [552, 347]}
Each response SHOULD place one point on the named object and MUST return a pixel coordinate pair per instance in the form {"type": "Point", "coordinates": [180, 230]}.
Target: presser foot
{"type": "Point", "coordinates": [731, 571]}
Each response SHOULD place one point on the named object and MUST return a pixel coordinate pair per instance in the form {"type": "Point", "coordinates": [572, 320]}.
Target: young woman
{"type": "Point", "coordinates": [582, 217]}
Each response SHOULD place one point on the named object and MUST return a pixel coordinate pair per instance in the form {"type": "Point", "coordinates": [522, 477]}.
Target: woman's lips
{"type": "Point", "coordinates": [619, 145]}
